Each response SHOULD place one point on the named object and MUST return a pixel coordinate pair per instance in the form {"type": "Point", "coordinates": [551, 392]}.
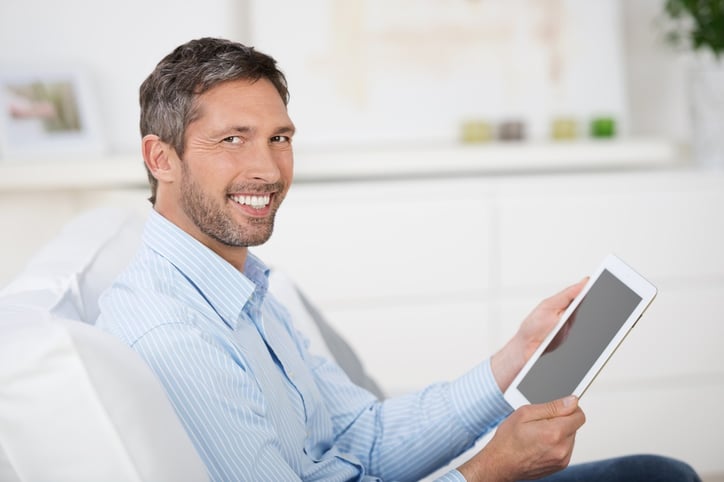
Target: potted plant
{"type": "Point", "coordinates": [698, 25]}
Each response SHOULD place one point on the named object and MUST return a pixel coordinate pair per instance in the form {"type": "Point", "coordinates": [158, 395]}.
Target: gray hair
{"type": "Point", "coordinates": [168, 96]}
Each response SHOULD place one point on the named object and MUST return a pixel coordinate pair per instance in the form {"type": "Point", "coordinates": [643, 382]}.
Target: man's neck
{"type": "Point", "coordinates": [234, 255]}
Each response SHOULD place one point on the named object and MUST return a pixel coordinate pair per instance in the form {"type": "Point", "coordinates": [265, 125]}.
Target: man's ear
{"type": "Point", "coordinates": [160, 158]}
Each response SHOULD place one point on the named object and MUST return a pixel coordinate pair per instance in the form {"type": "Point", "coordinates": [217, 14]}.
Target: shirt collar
{"type": "Point", "coordinates": [223, 286]}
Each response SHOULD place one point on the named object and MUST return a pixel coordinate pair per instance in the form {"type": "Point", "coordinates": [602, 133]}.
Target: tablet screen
{"type": "Point", "coordinates": [580, 341]}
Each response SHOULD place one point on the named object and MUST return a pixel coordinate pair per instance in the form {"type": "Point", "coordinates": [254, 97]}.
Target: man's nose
{"type": "Point", "coordinates": [262, 164]}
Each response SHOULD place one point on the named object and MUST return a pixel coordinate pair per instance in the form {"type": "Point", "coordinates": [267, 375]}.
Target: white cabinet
{"type": "Point", "coordinates": [668, 225]}
{"type": "Point", "coordinates": [427, 277]}
{"type": "Point", "coordinates": [500, 245]}
{"type": "Point", "coordinates": [384, 241]}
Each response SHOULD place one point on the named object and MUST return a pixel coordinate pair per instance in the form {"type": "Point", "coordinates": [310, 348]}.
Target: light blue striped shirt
{"type": "Point", "coordinates": [256, 404]}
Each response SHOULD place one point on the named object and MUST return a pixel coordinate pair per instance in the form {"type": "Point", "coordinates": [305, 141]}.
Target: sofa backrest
{"type": "Point", "coordinates": [68, 274]}
{"type": "Point", "coordinates": [76, 404]}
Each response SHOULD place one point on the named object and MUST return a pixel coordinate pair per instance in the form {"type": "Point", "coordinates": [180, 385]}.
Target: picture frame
{"type": "Point", "coordinates": [48, 114]}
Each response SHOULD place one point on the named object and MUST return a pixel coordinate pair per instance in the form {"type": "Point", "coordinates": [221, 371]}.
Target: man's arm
{"type": "Point", "coordinates": [536, 440]}
{"type": "Point", "coordinates": [407, 437]}
{"type": "Point", "coordinates": [412, 435]}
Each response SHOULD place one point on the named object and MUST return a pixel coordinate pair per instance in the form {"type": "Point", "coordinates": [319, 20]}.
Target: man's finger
{"type": "Point", "coordinates": [553, 409]}
{"type": "Point", "coordinates": [562, 299]}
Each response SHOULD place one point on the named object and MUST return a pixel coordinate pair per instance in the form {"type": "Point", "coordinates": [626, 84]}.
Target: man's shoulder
{"type": "Point", "coordinates": [148, 294]}
{"type": "Point", "coordinates": [148, 275]}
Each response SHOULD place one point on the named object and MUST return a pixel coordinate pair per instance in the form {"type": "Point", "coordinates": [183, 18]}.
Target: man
{"type": "Point", "coordinates": [217, 143]}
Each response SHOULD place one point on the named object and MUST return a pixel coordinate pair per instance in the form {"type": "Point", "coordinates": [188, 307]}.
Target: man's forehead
{"type": "Point", "coordinates": [242, 109]}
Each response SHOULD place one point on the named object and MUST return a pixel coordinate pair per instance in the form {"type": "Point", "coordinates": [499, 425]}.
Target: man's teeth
{"type": "Point", "coordinates": [257, 202]}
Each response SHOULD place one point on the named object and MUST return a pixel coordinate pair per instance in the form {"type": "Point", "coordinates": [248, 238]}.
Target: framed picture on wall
{"type": "Point", "coordinates": [47, 115]}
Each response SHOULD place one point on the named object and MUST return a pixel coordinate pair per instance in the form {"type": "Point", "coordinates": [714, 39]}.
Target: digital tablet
{"type": "Point", "coordinates": [588, 333]}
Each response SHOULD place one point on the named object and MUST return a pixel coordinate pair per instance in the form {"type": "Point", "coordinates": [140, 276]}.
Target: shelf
{"type": "Point", "coordinates": [104, 173]}
{"type": "Point", "coordinates": [120, 172]}
{"type": "Point", "coordinates": [481, 159]}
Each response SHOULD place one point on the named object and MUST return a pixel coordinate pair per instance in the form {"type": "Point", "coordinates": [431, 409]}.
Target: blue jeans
{"type": "Point", "coordinates": [634, 468]}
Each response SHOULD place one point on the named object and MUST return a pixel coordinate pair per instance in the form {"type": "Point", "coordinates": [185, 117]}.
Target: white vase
{"type": "Point", "coordinates": [706, 94]}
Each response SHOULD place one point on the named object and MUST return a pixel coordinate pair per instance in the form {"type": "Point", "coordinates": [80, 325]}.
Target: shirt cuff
{"type": "Point", "coordinates": [452, 476]}
{"type": "Point", "coordinates": [478, 401]}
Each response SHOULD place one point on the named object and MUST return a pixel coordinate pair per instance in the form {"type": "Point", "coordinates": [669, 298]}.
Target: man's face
{"type": "Point", "coordinates": [237, 166]}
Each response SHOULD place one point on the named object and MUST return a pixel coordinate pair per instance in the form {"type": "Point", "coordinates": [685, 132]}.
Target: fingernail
{"type": "Point", "coordinates": [569, 401]}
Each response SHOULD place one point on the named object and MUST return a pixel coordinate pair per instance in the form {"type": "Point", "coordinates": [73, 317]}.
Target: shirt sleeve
{"type": "Point", "coordinates": [408, 437]}
{"type": "Point", "coordinates": [452, 476]}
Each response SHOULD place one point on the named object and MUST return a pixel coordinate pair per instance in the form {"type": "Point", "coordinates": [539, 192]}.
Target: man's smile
{"type": "Point", "coordinates": [256, 201]}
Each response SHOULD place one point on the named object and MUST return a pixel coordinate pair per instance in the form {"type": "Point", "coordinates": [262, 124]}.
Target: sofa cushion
{"type": "Point", "coordinates": [76, 404]}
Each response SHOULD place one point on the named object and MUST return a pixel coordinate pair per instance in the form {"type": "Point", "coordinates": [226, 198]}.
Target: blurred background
{"type": "Point", "coordinates": [639, 77]}
{"type": "Point", "coordinates": [457, 161]}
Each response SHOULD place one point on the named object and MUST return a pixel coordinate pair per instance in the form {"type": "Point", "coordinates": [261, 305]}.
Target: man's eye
{"type": "Point", "coordinates": [278, 139]}
{"type": "Point", "coordinates": [232, 139]}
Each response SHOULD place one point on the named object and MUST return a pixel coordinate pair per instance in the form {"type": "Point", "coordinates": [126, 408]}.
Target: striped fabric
{"type": "Point", "coordinates": [257, 405]}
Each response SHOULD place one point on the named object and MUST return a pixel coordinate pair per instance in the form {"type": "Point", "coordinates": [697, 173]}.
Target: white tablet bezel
{"type": "Point", "coordinates": [630, 278]}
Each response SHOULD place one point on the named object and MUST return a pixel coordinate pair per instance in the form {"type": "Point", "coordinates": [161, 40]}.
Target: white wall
{"type": "Point", "coordinates": [120, 42]}
{"type": "Point", "coordinates": [116, 43]}
{"type": "Point", "coordinates": [656, 74]}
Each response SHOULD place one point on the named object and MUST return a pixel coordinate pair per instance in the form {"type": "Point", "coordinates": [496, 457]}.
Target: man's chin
{"type": "Point", "coordinates": [257, 239]}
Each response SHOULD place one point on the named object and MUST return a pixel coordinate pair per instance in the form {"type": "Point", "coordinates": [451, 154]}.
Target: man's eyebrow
{"type": "Point", "coordinates": [230, 130]}
{"type": "Point", "coordinates": [241, 129]}
{"type": "Point", "coordinates": [287, 130]}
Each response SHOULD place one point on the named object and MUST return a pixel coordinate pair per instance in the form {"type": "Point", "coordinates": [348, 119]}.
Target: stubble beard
{"type": "Point", "coordinates": [217, 221]}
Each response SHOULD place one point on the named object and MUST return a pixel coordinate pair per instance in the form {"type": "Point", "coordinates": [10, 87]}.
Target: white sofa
{"type": "Point", "coordinates": [75, 403]}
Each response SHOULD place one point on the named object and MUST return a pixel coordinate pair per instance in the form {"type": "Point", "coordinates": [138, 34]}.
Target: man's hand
{"type": "Point", "coordinates": [507, 362]}
{"type": "Point", "coordinates": [535, 441]}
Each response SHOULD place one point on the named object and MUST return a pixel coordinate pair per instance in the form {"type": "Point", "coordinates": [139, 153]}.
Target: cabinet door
{"type": "Point", "coordinates": [554, 231]}
{"type": "Point", "coordinates": [385, 240]}
{"type": "Point", "coordinates": [407, 346]}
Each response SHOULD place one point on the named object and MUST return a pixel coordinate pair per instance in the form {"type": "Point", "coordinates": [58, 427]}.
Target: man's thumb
{"type": "Point", "coordinates": [560, 407]}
